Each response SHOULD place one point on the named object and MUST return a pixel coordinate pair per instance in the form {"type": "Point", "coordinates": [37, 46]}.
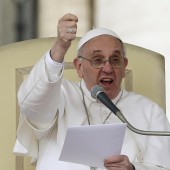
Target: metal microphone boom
{"type": "Point", "coordinates": [97, 93]}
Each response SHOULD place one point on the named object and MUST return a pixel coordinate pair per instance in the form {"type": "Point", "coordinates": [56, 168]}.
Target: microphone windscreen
{"type": "Point", "coordinates": [95, 90]}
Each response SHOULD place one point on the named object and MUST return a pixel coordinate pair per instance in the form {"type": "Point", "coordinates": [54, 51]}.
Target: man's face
{"type": "Point", "coordinates": [107, 76]}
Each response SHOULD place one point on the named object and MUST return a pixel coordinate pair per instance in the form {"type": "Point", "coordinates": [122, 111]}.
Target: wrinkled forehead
{"type": "Point", "coordinates": [97, 32]}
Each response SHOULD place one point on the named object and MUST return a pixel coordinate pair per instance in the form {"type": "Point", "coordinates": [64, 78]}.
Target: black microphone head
{"type": "Point", "coordinates": [95, 91]}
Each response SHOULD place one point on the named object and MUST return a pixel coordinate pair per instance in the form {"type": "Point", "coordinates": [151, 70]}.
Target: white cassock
{"type": "Point", "coordinates": [50, 110]}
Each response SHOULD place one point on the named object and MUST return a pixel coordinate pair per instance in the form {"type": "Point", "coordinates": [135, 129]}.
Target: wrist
{"type": "Point", "coordinates": [58, 52]}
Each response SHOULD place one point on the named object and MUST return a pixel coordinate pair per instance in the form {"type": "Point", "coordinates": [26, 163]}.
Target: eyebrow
{"type": "Point", "coordinates": [96, 51]}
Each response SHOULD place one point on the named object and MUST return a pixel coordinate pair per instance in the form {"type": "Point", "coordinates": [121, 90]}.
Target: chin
{"type": "Point", "coordinates": [110, 96]}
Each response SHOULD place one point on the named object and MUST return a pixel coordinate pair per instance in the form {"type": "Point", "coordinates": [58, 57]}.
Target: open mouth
{"type": "Point", "coordinates": [106, 81]}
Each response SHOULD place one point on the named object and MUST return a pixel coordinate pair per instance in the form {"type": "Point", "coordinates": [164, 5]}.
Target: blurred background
{"type": "Point", "coordinates": [144, 23]}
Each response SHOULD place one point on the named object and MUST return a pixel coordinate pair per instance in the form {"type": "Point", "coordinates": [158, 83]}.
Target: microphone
{"type": "Point", "coordinates": [98, 93]}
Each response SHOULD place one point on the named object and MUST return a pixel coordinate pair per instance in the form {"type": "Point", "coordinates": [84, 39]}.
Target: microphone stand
{"type": "Point", "coordinates": [138, 131]}
{"type": "Point", "coordinates": [101, 96]}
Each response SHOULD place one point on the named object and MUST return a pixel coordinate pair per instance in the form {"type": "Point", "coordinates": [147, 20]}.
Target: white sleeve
{"type": "Point", "coordinates": [140, 166]}
{"type": "Point", "coordinates": [39, 94]}
{"type": "Point", "coordinates": [53, 69]}
{"type": "Point", "coordinates": [39, 98]}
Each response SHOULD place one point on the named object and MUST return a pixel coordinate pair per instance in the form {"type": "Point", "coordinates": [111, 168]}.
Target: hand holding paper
{"type": "Point", "coordinates": [90, 145]}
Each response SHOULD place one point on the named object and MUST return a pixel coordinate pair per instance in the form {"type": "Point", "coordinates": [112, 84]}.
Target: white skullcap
{"type": "Point", "coordinates": [94, 33]}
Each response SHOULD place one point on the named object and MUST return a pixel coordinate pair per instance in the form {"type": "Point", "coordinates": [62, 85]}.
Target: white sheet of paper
{"type": "Point", "coordinates": [90, 145]}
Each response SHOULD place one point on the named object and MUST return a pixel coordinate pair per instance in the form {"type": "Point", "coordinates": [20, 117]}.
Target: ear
{"type": "Point", "coordinates": [125, 65]}
{"type": "Point", "coordinates": [77, 65]}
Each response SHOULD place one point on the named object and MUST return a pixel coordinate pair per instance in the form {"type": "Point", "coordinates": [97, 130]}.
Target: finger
{"type": "Point", "coordinates": [71, 30]}
{"type": "Point", "coordinates": [67, 36]}
{"type": "Point", "coordinates": [121, 161]}
{"type": "Point", "coordinates": [114, 159]}
{"type": "Point", "coordinates": [66, 31]}
{"type": "Point", "coordinates": [67, 27]}
{"type": "Point", "coordinates": [69, 17]}
{"type": "Point", "coordinates": [70, 24]}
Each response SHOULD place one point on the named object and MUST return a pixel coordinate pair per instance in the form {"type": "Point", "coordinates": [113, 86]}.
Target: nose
{"type": "Point", "coordinates": [107, 67]}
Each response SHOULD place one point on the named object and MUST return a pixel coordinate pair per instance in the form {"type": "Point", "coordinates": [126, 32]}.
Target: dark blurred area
{"type": "Point", "coordinates": [26, 21]}
{"type": "Point", "coordinates": [18, 20]}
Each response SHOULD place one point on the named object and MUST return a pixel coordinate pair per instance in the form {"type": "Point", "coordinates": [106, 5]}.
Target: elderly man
{"type": "Point", "coordinates": [48, 107]}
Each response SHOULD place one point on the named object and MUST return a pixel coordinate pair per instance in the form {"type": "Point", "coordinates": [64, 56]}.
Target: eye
{"type": "Point", "coordinates": [97, 60]}
{"type": "Point", "coordinates": [115, 60]}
